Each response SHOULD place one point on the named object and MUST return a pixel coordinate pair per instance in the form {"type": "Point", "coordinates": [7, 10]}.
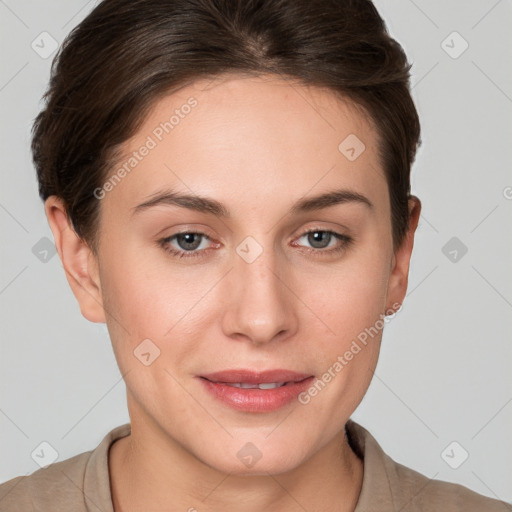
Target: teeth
{"type": "Point", "coordinates": [271, 385]}
{"type": "Point", "coordinates": [265, 385]}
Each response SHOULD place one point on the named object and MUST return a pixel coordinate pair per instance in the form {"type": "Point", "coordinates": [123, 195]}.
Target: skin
{"type": "Point", "coordinates": [257, 145]}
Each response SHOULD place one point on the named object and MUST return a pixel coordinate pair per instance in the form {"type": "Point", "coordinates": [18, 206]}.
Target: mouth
{"type": "Point", "coordinates": [250, 391]}
{"type": "Point", "coordinates": [261, 385]}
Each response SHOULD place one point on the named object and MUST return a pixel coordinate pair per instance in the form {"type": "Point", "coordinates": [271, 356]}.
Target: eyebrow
{"type": "Point", "coordinates": [211, 206]}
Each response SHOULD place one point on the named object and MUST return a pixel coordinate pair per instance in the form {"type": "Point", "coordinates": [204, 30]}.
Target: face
{"type": "Point", "coordinates": [261, 282]}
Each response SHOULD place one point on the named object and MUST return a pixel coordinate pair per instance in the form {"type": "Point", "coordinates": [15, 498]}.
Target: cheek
{"type": "Point", "coordinates": [151, 299]}
{"type": "Point", "coordinates": [147, 294]}
{"type": "Point", "coordinates": [131, 301]}
{"type": "Point", "coordinates": [351, 298]}
{"type": "Point", "coordinates": [346, 355]}
{"type": "Point", "coordinates": [144, 313]}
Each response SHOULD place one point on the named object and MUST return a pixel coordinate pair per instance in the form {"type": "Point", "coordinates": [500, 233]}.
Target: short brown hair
{"type": "Point", "coordinates": [127, 54]}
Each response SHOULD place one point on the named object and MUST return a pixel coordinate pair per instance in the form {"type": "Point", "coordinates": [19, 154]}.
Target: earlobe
{"type": "Point", "coordinates": [398, 280]}
{"type": "Point", "coordinates": [78, 261]}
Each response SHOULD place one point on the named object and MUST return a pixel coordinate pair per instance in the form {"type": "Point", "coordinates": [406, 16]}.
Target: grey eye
{"type": "Point", "coordinates": [319, 239]}
{"type": "Point", "coordinates": [188, 241]}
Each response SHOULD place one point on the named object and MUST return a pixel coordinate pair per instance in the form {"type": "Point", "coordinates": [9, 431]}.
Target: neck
{"type": "Point", "coordinates": [151, 472]}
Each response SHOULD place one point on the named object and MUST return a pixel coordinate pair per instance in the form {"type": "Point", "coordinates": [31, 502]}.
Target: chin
{"type": "Point", "coordinates": [248, 460]}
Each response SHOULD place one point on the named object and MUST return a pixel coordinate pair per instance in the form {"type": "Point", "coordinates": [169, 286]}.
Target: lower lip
{"type": "Point", "coordinates": [256, 400]}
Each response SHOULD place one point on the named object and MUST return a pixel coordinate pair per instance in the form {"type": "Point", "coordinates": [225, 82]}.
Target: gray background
{"type": "Point", "coordinates": [445, 368]}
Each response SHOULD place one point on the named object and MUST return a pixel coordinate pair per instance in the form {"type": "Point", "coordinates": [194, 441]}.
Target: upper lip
{"type": "Point", "coordinates": [253, 377]}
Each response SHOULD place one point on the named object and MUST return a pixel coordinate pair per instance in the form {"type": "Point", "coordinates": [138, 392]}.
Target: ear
{"type": "Point", "coordinates": [397, 285]}
{"type": "Point", "coordinates": [78, 260]}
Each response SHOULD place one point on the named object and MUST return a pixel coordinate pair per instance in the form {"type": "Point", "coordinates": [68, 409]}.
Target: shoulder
{"type": "Point", "coordinates": [390, 486]}
{"type": "Point", "coordinates": [79, 484]}
{"type": "Point", "coordinates": [59, 484]}
{"type": "Point", "coordinates": [416, 492]}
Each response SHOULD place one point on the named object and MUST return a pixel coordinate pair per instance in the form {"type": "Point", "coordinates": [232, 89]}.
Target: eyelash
{"type": "Point", "coordinates": [345, 240]}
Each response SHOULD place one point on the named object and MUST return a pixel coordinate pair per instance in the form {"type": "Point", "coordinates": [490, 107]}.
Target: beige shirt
{"type": "Point", "coordinates": [81, 484]}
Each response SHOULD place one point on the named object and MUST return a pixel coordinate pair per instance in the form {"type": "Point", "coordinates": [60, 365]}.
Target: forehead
{"type": "Point", "coordinates": [248, 137]}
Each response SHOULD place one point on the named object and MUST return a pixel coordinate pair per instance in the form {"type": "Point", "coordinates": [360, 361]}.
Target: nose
{"type": "Point", "coordinates": [261, 304]}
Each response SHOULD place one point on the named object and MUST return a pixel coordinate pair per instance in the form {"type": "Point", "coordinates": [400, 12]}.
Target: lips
{"type": "Point", "coordinates": [251, 391]}
{"type": "Point", "coordinates": [252, 377]}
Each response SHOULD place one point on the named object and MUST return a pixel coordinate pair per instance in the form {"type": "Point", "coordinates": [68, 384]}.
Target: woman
{"type": "Point", "coordinates": [228, 185]}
